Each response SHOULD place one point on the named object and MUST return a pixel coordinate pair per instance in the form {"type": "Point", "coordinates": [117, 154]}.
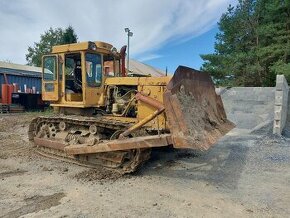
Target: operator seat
{"type": "Point", "coordinates": [78, 77]}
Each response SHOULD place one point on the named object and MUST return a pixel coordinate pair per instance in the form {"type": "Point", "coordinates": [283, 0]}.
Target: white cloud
{"type": "Point", "coordinates": [154, 23]}
{"type": "Point", "coordinates": [147, 57]}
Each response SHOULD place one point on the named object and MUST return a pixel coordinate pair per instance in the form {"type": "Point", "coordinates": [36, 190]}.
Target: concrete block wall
{"type": "Point", "coordinates": [286, 131]}
{"type": "Point", "coordinates": [281, 104]}
{"type": "Point", "coordinates": [248, 107]}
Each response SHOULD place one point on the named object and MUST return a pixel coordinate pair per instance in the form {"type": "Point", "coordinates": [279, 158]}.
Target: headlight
{"type": "Point", "coordinates": [92, 46]}
{"type": "Point", "coordinates": [113, 50]}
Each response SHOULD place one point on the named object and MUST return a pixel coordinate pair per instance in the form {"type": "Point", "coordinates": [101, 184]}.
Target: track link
{"type": "Point", "coordinates": [126, 161]}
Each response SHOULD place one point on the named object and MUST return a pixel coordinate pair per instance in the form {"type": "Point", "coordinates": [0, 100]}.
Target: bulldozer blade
{"type": "Point", "coordinates": [195, 112]}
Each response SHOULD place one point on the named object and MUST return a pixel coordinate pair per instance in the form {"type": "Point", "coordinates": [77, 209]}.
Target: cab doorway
{"type": "Point", "coordinates": [73, 77]}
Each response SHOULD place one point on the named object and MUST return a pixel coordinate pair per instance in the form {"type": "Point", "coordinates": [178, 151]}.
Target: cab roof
{"type": "Point", "coordinates": [101, 47]}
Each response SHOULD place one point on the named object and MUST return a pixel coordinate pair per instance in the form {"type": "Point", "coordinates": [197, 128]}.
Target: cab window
{"type": "Point", "coordinates": [117, 68]}
{"type": "Point", "coordinates": [94, 69]}
{"type": "Point", "coordinates": [49, 68]}
{"type": "Point", "coordinates": [111, 66]}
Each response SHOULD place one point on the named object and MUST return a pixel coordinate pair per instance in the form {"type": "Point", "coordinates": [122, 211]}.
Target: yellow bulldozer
{"type": "Point", "coordinates": [103, 116]}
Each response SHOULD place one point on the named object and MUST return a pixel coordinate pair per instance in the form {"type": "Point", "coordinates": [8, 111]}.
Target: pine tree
{"type": "Point", "coordinates": [252, 45]}
{"type": "Point", "coordinates": [69, 36]}
{"type": "Point", "coordinates": [275, 29]}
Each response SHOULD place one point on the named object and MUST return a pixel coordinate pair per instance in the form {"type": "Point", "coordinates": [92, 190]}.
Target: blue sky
{"type": "Point", "coordinates": [166, 32]}
{"type": "Point", "coordinates": [186, 53]}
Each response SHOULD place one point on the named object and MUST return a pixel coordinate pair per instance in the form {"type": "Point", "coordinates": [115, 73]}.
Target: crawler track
{"type": "Point", "coordinates": [60, 131]}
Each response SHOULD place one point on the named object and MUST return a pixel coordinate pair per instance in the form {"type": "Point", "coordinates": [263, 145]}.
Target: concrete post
{"type": "Point", "coordinates": [281, 104]}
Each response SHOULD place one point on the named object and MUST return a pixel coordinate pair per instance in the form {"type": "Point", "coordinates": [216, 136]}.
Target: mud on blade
{"type": "Point", "coordinates": [195, 112]}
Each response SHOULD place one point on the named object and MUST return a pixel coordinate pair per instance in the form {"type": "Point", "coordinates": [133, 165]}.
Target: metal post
{"type": "Point", "coordinates": [129, 33]}
{"type": "Point", "coordinates": [128, 53]}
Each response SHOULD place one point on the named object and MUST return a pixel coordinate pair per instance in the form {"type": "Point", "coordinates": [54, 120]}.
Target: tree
{"type": "Point", "coordinates": [51, 37]}
{"type": "Point", "coordinates": [252, 45]}
{"type": "Point", "coordinates": [69, 36]}
{"type": "Point", "coordinates": [275, 29]}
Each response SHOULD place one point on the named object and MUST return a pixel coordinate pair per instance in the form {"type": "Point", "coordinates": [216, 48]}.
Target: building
{"type": "Point", "coordinates": [20, 74]}
{"type": "Point", "coordinates": [141, 69]}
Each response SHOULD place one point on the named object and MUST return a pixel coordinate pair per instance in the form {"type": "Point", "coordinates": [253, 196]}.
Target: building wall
{"type": "Point", "coordinates": [21, 77]}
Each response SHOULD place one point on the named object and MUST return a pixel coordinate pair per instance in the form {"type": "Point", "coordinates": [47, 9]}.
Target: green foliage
{"type": "Point", "coordinates": [50, 38]}
{"type": "Point", "coordinates": [253, 44]}
{"type": "Point", "coordinates": [69, 36]}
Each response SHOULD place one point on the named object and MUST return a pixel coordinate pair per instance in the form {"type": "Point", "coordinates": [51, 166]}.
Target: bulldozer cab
{"type": "Point", "coordinates": [73, 75]}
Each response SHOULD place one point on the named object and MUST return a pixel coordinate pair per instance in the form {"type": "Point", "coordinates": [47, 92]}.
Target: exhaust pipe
{"type": "Point", "coordinates": [123, 57]}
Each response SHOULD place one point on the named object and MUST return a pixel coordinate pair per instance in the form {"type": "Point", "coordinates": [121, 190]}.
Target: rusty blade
{"type": "Point", "coordinates": [195, 112]}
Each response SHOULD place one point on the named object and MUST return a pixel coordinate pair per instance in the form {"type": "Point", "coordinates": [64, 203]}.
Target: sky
{"type": "Point", "coordinates": [166, 33]}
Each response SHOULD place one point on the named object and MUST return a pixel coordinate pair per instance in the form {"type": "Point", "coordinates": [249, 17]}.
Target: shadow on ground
{"type": "Point", "coordinates": [222, 165]}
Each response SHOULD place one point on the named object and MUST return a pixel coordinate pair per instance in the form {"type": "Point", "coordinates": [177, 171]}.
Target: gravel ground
{"type": "Point", "coordinates": [244, 175]}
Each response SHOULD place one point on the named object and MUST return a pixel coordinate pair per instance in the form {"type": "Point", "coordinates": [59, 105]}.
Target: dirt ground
{"type": "Point", "coordinates": [244, 175]}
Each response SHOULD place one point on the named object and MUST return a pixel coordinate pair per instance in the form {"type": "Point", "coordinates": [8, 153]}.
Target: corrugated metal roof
{"type": "Point", "coordinates": [19, 67]}
{"type": "Point", "coordinates": [19, 70]}
{"type": "Point", "coordinates": [139, 68]}
{"type": "Point", "coordinates": [20, 73]}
